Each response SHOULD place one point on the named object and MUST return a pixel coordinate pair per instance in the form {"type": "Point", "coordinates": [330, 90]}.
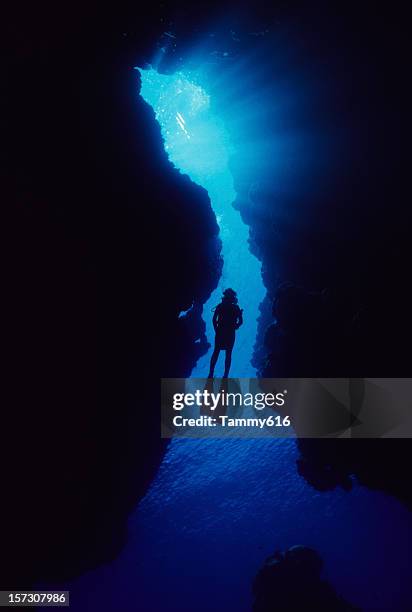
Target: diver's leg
{"type": "Point", "coordinates": [213, 362]}
{"type": "Point", "coordinates": [228, 361]}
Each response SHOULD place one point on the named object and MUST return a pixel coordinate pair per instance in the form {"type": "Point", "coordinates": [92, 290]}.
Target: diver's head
{"type": "Point", "coordinates": [229, 295]}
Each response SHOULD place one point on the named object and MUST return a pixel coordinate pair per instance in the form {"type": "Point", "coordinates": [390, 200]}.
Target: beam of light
{"type": "Point", "coordinates": [199, 145]}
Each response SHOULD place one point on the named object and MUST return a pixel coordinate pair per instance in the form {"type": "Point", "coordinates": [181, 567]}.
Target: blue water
{"type": "Point", "coordinates": [198, 144]}
{"type": "Point", "coordinates": [217, 508]}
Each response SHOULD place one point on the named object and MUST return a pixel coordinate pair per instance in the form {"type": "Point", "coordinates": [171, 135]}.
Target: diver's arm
{"type": "Point", "coordinates": [239, 318]}
{"type": "Point", "coordinates": [215, 319]}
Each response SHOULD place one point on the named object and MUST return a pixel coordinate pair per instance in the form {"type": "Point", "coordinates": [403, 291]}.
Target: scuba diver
{"type": "Point", "coordinates": [227, 318]}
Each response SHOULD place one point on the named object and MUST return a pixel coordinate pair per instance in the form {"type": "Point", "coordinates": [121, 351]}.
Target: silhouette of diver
{"type": "Point", "coordinates": [227, 318]}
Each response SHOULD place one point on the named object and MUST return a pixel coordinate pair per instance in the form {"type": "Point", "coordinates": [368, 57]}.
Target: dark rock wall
{"type": "Point", "coordinates": [332, 219]}
{"type": "Point", "coordinates": [105, 244]}
{"type": "Point", "coordinates": [336, 247]}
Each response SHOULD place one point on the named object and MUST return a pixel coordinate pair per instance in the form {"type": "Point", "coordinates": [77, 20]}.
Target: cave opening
{"type": "Point", "coordinates": [216, 508]}
{"type": "Point", "coordinates": [199, 145]}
